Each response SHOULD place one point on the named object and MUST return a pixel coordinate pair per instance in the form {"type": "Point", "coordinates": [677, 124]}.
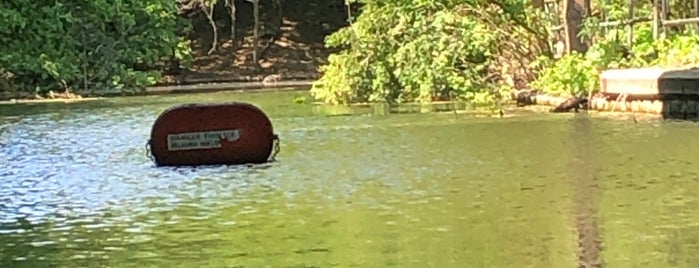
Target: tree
{"type": "Point", "coordinates": [256, 30]}
{"type": "Point", "coordinates": [231, 13]}
{"type": "Point", "coordinates": [208, 6]}
{"type": "Point", "coordinates": [420, 50]}
{"type": "Point", "coordinates": [86, 44]}
{"type": "Point", "coordinates": [576, 11]}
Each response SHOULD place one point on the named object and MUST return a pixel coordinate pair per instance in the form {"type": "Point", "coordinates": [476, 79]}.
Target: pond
{"type": "Point", "coordinates": [371, 190]}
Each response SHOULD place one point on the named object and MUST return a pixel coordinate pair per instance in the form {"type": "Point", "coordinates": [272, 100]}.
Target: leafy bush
{"type": "Point", "coordinates": [572, 75]}
{"type": "Point", "coordinates": [417, 50]}
{"type": "Point", "coordinates": [86, 43]}
{"type": "Point", "coordinates": [676, 51]}
{"type": "Point", "coordinates": [575, 74]}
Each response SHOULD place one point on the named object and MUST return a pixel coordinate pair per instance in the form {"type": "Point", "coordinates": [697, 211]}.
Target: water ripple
{"type": "Point", "coordinates": [76, 189]}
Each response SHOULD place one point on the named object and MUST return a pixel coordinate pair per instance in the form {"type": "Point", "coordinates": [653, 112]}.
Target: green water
{"type": "Point", "coordinates": [407, 190]}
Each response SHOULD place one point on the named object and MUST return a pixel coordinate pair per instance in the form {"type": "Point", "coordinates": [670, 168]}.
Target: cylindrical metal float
{"type": "Point", "coordinates": [212, 134]}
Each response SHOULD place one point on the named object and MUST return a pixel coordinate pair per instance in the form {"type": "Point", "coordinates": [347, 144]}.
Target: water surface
{"type": "Point", "coordinates": [407, 190]}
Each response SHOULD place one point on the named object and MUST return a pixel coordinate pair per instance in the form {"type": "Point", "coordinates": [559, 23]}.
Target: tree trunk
{"type": "Point", "coordinates": [231, 11]}
{"type": "Point", "coordinates": [544, 42]}
{"type": "Point", "coordinates": [575, 13]}
{"type": "Point", "coordinates": [538, 4]}
{"type": "Point", "coordinates": [280, 14]}
{"type": "Point", "coordinates": [256, 30]}
{"type": "Point", "coordinates": [208, 9]}
{"type": "Point", "coordinates": [696, 13]}
{"type": "Point", "coordinates": [276, 28]}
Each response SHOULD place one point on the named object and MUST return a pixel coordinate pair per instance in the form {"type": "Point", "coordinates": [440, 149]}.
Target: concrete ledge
{"type": "Point", "coordinates": [650, 82]}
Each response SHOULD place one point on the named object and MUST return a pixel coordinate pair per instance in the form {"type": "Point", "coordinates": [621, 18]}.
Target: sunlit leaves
{"type": "Point", "coordinates": [416, 50]}
{"type": "Point", "coordinates": [97, 42]}
{"type": "Point", "coordinates": [579, 74]}
{"type": "Point", "coordinates": [572, 75]}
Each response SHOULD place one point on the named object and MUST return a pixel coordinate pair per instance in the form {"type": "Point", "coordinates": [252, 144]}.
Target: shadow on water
{"type": "Point", "coordinates": [586, 191]}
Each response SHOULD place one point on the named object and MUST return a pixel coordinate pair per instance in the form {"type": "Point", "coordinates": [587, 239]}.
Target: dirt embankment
{"type": "Point", "coordinates": [296, 52]}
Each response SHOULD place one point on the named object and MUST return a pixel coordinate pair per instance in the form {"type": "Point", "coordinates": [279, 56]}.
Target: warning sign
{"type": "Point", "coordinates": [200, 140]}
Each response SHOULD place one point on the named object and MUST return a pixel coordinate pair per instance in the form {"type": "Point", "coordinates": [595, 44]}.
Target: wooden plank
{"type": "Point", "coordinates": [632, 4]}
{"type": "Point", "coordinates": [665, 10]}
{"type": "Point", "coordinates": [656, 19]}
{"type": "Point", "coordinates": [610, 23]}
{"type": "Point", "coordinates": [679, 22]}
{"type": "Point", "coordinates": [696, 13]}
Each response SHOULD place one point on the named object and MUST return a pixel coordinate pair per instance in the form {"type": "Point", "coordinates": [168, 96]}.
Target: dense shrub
{"type": "Point", "coordinates": [577, 74]}
{"type": "Point", "coordinates": [412, 50]}
{"type": "Point", "coordinates": [48, 45]}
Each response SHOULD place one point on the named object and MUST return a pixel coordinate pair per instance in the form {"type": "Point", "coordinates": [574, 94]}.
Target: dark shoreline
{"type": "Point", "coordinates": [183, 88]}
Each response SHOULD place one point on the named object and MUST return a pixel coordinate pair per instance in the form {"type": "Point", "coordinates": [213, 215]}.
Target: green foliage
{"type": "Point", "coordinates": [420, 50]}
{"type": "Point", "coordinates": [572, 75]}
{"type": "Point", "coordinates": [674, 51]}
{"type": "Point", "coordinates": [576, 74]}
{"type": "Point", "coordinates": [87, 43]}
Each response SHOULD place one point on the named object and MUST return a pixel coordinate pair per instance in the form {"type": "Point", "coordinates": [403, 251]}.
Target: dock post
{"type": "Point", "coordinates": [656, 19]}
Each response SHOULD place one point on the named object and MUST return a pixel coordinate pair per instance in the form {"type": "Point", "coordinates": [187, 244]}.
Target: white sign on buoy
{"type": "Point", "coordinates": [200, 140]}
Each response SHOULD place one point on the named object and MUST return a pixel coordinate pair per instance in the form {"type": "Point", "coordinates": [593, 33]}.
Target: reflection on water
{"type": "Point", "coordinates": [76, 189]}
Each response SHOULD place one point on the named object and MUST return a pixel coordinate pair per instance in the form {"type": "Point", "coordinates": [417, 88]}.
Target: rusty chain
{"type": "Point", "coordinates": [276, 149]}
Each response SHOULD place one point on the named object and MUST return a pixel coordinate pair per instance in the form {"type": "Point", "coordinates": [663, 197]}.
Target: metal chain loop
{"type": "Point", "coordinates": [276, 149]}
{"type": "Point", "coordinates": [149, 154]}
{"type": "Point", "coordinates": [272, 158]}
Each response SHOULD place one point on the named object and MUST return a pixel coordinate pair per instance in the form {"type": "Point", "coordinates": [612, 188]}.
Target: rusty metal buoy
{"type": "Point", "coordinates": [212, 134]}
